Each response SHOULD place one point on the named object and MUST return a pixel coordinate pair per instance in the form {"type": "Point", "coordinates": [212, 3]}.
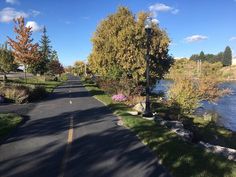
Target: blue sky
{"type": "Point", "coordinates": [207, 25]}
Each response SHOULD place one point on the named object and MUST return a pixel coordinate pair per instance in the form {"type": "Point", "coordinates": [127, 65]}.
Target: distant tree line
{"type": "Point", "coordinates": [224, 57]}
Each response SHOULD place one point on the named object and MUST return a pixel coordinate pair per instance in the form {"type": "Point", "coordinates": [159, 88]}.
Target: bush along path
{"type": "Point", "coordinates": [17, 91]}
{"type": "Point", "coordinates": [182, 158]}
{"type": "Point", "coordinates": [7, 123]}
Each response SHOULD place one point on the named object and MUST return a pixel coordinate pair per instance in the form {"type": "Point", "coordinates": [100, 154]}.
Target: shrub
{"type": "Point", "coordinates": [183, 93]}
{"type": "Point", "coordinates": [64, 77]}
{"type": "Point", "coordinates": [50, 78]}
{"type": "Point", "coordinates": [16, 93]}
{"type": "Point", "coordinates": [37, 93]}
{"type": "Point", "coordinates": [108, 85]}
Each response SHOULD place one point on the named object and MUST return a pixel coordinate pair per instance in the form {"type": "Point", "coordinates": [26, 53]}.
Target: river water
{"type": "Point", "coordinates": [225, 107]}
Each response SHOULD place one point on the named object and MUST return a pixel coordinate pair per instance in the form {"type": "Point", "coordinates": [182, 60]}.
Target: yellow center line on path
{"type": "Point", "coordinates": [70, 133]}
{"type": "Point", "coordinates": [68, 147]}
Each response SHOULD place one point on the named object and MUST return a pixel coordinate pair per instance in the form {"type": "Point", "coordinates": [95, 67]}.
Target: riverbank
{"type": "Point", "coordinates": [182, 158]}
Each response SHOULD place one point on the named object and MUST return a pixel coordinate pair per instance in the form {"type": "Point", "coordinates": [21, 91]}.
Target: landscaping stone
{"type": "Point", "coordinates": [133, 113]}
{"type": "Point", "coordinates": [176, 127]}
{"type": "Point", "coordinates": [229, 153]}
{"type": "Point", "coordinates": [140, 107]}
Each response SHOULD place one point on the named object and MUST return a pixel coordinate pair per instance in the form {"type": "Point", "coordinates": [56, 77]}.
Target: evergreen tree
{"type": "Point", "coordinates": [54, 55]}
{"type": "Point", "coordinates": [202, 56]}
{"type": "Point", "coordinates": [45, 47]}
{"type": "Point", "coordinates": [227, 60]}
{"type": "Point", "coordinates": [41, 66]}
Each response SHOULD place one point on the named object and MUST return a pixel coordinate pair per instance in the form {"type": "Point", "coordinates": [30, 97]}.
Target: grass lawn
{"type": "Point", "coordinates": [49, 85]}
{"type": "Point", "coordinates": [8, 122]}
{"type": "Point", "coordinates": [181, 158]}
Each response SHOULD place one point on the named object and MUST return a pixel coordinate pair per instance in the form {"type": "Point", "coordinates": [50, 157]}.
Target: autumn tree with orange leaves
{"type": "Point", "coordinates": [24, 51]}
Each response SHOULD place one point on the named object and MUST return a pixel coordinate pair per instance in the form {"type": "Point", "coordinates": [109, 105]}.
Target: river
{"type": "Point", "coordinates": [225, 107]}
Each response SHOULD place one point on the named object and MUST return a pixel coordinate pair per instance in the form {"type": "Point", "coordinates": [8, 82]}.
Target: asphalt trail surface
{"type": "Point", "coordinates": [71, 134]}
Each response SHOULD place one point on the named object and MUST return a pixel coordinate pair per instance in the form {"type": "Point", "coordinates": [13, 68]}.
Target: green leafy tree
{"type": "Point", "coordinates": [119, 48]}
{"type": "Point", "coordinates": [79, 68]}
{"type": "Point", "coordinates": [227, 60]}
{"type": "Point", "coordinates": [6, 61]}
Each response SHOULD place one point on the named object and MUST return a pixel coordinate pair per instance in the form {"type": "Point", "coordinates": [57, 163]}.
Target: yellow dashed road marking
{"type": "Point", "coordinates": [68, 147]}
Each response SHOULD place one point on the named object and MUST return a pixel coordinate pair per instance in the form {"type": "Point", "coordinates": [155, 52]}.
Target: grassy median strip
{"type": "Point", "coordinates": [183, 159]}
{"type": "Point", "coordinates": [8, 122]}
{"type": "Point", "coordinates": [49, 85]}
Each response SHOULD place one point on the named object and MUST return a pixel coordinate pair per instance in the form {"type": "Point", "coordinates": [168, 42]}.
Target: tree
{"type": "Point", "coordinates": [6, 61]}
{"type": "Point", "coordinates": [227, 60]}
{"type": "Point", "coordinates": [24, 51]}
{"type": "Point", "coordinates": [79, 68]}
{"type": "Point", "coordinates": [119, 48]}
{"type": "Point", "coordinates": [55, 67]}
{"type": "Point", "coordinates": [45, 50]}
{"type": "Point", "coordinates": [54, 55]}
{"type": "Point", "coordinates": [187, 92]}
{"type": "Point", "coordinates": [211, 58]}
{"type": "Point", "coordinates": [202, 56]}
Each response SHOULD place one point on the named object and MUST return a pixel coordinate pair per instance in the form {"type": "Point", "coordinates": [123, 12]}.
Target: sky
{"type": "Point", "coordinates": [193, 26]}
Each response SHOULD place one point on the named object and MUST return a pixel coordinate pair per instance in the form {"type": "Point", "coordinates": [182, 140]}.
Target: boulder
{"type": "Point", "coordinates": [140, 107]}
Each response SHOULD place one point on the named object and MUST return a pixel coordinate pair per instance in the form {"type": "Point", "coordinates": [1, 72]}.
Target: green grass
{"type": "Point", "coordinates": [210, 132]}
{"type": "Point", "coordinates": [37, 81]}
{"type": "Point", "coordinates": [181, 158]}
{"type": "Point", "coordinates": [206, 130]}
{"type": "Point", "coordinates": [8, 122]}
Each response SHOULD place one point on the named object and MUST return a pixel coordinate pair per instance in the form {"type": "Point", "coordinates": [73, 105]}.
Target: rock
{"type": "Point", "coordinates": [140, 107]}
{"type": "Point", "coordinates": [229, 153]}
{"type": "Point", "coordinates": [183, 133]}
{"type": "Point", "coordinates": [133, 113]}
{"type": "Point", "coordinates": [176, 127]}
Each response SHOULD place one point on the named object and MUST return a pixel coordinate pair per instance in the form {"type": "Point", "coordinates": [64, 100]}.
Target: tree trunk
{"type": "Point", "coordinates": [25, 69]}
{"type": "Point", "coordinates": [4, 79]}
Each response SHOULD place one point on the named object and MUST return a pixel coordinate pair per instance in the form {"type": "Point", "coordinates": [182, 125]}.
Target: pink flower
{"type": "Point", "coordinates": [119, 97]}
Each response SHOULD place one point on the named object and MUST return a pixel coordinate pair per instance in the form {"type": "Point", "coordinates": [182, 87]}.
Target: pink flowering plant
{"type": "Point", "coordinates": [119, 97]}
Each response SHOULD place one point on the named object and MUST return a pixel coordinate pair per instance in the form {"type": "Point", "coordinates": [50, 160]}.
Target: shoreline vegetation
{"type": "Point", "coordinates": [183, 159]}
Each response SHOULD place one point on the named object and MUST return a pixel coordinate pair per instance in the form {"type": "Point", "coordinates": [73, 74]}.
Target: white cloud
{"type": "Point", "coordinates": [155, 21]}
{"type": "Point", "coordinates": [159, 7]}
{"type": "Point", "coordinates": [35, 27]}
{"type": "Point", "coordinates": [232, 38]}
{"type": "Point", "coordinates": [12, 1]}
{"type": "Point", "coordinates": [8, 14]}
{"type": "Point", "coordinates": [195, 38]}
{"type": "Point", "coordinates": [34, 13]}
